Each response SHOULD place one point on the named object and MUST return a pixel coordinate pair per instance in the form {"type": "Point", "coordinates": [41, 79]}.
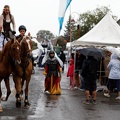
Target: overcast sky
{"type": "Point", "coordinates": [43, 14]}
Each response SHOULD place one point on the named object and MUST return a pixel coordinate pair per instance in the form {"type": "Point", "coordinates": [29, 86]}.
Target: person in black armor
{"type": "Point", "coordinates": [52, 71]}
{"type": "Point", "coordinates": [6, 19]}
{"type": "Point", "coordinates": [22, 29]}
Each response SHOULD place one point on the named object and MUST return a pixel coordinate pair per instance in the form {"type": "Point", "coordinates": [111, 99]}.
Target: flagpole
{"type": "Point", "coordinates": [71, 45]}
{"type": "Point", "coordinates": [70, 32]}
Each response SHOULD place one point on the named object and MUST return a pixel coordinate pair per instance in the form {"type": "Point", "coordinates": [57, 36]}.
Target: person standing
{"type": "Point", "coordinates": [78, 66]}
{"type": "Point", "coordinates": [62, 57]}
{"type": "Point", "coordinates": [52, 72]}
{"type": "Point", "coordinates": [70, 73]}
{"type": "Point", "coordinates": [3, 40]}
{"type": "Point", "coordinates": [114, 75]}
{"type": "Point", "coordinates": [89, 73]}
{"type": "Point", "coordinates": [6, 19]}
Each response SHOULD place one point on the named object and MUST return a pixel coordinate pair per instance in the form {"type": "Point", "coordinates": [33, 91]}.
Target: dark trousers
{"type": "Point", "coordinates": [63, 68]}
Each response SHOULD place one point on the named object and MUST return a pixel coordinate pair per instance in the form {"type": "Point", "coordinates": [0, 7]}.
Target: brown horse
{"type": "Point", "coordinates": [26, 65]}
{"type": "Point", "coordinates": [9, 58]}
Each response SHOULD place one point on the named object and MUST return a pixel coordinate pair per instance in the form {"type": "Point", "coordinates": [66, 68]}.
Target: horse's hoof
{"type": "Point", "coordinates": [18, 104]}
{"type": "Point", "coordinates": [27, 105]}
{"type": "Point", "coordinates": [3, 99]}
{"type": "Point", "coordinates": [1, 110]}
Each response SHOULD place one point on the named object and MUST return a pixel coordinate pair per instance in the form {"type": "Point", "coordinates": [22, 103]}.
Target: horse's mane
{"type": "Point", "coordinates": [27, 37]}
{"type": "Point", "coordinates": [5, 49]}
{"type": "Point", "coordinates": [26, 45]}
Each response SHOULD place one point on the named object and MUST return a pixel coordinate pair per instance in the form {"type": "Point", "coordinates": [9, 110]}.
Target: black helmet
{"type": "Point", "coordinates": [22, 27]}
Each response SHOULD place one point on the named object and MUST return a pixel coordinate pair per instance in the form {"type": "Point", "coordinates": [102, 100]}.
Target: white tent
{"type": "Point", "coordinates": [105, 33]}
{"type": "Point", "coordinates": [68, 45]}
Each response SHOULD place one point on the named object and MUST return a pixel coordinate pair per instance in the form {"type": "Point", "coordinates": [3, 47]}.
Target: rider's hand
{"type": "Point", "coordinates": [13, 32]}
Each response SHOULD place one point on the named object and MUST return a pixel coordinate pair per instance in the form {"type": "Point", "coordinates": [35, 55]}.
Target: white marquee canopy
{"type": "Point", "coordinates": [105, 33]}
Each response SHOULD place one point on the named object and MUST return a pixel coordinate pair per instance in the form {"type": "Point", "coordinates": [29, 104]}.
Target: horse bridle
{"type": "Point", "coordinates": [27, 53]}
{"type": "Point", "coordinates": [12, 58]}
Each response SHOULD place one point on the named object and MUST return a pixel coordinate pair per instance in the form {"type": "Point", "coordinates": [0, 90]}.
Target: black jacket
{"type": "Point", "coordinates": [62, 57]}
{"type": "Point", "coordinates": [90, 68]}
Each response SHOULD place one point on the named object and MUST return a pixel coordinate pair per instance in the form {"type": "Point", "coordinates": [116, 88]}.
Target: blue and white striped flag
{"type": "Point", "coordinates": [62, 9]}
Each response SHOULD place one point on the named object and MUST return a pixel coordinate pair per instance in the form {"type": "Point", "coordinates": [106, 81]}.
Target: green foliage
{"type": "Point", "coordinates": [57, 49]}
{"type": "Point", "coordinates": [67, 31]}
{"type": "Point", "coordinates": [45, 34]}
{"type": "Point", "coordinates": [61, 42]}
{"type": "Point", "coordinates": [87, 21]}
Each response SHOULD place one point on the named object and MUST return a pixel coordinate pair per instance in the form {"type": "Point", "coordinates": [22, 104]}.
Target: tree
{"type": "Point", "coordinates": [44, 34]}
{"type": "Point", "coordinates": [88, 20]}
{"type": "Point", "coordinates": [61, 42]}
{"type": "Point", "coordinates": [67, 31]}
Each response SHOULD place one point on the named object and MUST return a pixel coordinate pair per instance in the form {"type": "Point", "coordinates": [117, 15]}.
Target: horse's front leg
{"type": "Point", "coordinates": [7, 84]}
{"type": "Point", "coordinates": [22, 84]}
{"type": "Point", "coordinates": [1, 109]}
{"type": "Point", "coordinates": [17, 81]}
{"type": "Point", "coordinates": [26, 101]}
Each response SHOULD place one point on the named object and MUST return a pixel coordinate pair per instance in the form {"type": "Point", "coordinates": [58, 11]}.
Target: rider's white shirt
{"type": "Point", "coordinates": [1, 41]}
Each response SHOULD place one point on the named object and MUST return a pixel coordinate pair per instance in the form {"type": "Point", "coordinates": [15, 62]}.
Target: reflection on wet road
{"type": "Point", "coordinates": [67, 106]}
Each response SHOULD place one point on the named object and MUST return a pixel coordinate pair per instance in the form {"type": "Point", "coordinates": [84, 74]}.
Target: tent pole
{"type": "Point", "coordinates": [74, 63]}
{"type": "Point", "coordinates": [99, 81]}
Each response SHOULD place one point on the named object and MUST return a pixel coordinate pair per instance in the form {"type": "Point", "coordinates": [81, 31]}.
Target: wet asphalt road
{"type": "Point", "coordinates": [67, 106]}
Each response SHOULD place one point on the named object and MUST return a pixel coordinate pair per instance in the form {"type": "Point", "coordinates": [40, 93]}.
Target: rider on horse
{"type": "Point", "coordinates": [22, 29]}
{"type": "Point", "coordinates": [5, 20]}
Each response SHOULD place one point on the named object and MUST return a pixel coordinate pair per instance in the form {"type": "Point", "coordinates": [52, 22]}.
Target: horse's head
{"type": "Point", "coordinates": [12, 51]}
{"type": "Point", "coordinates": [15, 51]}
{"type": "Point", "coordinates": [26, 47]}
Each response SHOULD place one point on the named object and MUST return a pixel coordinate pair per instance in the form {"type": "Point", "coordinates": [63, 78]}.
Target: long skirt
{"type": "Point", "coordinates": [52, 85]}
